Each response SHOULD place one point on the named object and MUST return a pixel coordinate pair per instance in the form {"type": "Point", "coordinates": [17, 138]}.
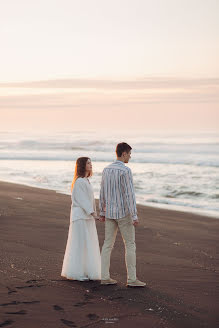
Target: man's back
{"type": "Point", "coordinates": [117, 197]}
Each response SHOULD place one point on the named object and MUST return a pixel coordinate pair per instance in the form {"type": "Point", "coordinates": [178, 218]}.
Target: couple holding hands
{"type": "Point", "coordinates": [82, 259]}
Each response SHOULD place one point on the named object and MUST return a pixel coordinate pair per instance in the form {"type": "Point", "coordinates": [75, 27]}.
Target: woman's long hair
{"type": "Point", "coordinates": [80, 169]}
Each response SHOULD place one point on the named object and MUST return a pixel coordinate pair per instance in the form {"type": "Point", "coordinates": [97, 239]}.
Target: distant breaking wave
{"type": "Point", "coordinates": [104, 157]}
{"type": "Point", "coordinates": [182, 203]}
{"type": "Point", "coordinates": [184, 193]}
{"type": "Point", "coordinates": [98, 146]}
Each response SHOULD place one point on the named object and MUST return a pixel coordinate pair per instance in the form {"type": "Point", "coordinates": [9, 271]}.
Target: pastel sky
{"type": "Point", "coordinates": [131, 64]}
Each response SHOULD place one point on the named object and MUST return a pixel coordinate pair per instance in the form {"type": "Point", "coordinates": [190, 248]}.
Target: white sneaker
{"type": "Point", "coordinates": [108, 282]}
{"type": "Point", "coordinates": [136, 283]}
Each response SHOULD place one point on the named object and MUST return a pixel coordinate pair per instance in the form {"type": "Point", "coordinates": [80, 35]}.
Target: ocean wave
{"type": "Point", "coordinates": [105, 157]}
{"type": "Point", "coordinates": [216, 196]}
{"type": "Point", "coordinates": [182, 203]}
{"type": "Point", "coordinates": [100, 147]}
{"type": "Point", "coordinates": [174, 194]}
{"type": "Point", "coordinates": [89, 143]}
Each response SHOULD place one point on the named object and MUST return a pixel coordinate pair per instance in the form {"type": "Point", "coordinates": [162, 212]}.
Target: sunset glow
{"type": "Point", "coordinates": [154, 61]}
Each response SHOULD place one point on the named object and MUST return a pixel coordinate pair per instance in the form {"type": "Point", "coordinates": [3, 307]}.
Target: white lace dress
{"type": "Point", "coordinates": [82, 259]}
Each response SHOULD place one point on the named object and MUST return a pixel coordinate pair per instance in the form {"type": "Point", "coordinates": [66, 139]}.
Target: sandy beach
{"type": "Point", "coordinates": [176, 257]}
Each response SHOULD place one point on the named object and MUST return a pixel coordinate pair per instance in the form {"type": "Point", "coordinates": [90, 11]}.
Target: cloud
{"type": "Point", "coordinates": [69, 102]}
{"type": "Point", "coordinates": [78, 93]}
{"type": "Point", "coordinates": [143, 83]}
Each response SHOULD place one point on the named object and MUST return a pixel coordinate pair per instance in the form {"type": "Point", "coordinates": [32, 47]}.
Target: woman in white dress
{"type": "Point", "coordinates": [82, 259]}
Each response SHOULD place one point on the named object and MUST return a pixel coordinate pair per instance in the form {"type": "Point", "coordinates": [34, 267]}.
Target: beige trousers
{"type": "Point", "coordinates": [127, 231]}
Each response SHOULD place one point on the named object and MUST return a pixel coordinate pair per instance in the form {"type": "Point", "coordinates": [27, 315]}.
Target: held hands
{"type": "Point", "coordinates": [135, 222]}
{"type": "Point", "coordinates": [102, 218]}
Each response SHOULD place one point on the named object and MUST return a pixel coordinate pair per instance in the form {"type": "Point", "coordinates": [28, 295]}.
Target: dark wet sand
{"type": "Point", "coordinates": [176, 256]}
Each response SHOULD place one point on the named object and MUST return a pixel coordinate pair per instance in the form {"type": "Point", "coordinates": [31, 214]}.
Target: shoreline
{"type": "Point", "coordinates": [159, 206]}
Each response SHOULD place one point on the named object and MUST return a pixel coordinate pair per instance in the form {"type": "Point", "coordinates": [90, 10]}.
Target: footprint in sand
{"type": "Point", "coordinates": [33, 280]}
{"type": "Point", "coordinates": [92, 316]}
{"type": "Point", "coordinates": [68, 323]}
{"type": "Point", "coordinates": [57, 308]}
{"type": "Point", "coordinates": [11, 303]}
{"type": "Point", "coordinates": [10, 290]}
{"type": "Point", "coordinates": [80, 303]}
{"type": "Point", "coordinates": [18, 312]}
{"type": "Point", "coordinates": [21, 287]}
{"type": "Point", "coordinates": [6, 323]}
{"type": "Point", "coordinates": [30, 286]}
{"type": "Point", "coordinates": [31, 302]}
{"type": "Point", "coordinates": [16, 303]}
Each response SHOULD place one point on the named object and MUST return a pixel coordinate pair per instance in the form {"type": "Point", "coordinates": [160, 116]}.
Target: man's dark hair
{"type": "Point", "coordinates": [121, 147]}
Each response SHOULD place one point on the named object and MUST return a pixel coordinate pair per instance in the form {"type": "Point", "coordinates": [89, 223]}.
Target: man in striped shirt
{"type": "Point", "coordinates": [118, 210]}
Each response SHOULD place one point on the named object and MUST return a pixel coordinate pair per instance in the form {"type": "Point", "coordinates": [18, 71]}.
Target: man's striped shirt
{"type": "Point", "coordinates": [117, 196]}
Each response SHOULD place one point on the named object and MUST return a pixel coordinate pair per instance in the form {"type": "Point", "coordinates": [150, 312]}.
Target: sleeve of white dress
{"type": "Point", "coordinates": [95, 209]}
{"type": "Point", "coordinates": [82, 198]}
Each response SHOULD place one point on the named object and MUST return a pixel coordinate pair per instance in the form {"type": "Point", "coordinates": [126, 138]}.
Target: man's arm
{"type": "Point", "coordinates": [130, 194]}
